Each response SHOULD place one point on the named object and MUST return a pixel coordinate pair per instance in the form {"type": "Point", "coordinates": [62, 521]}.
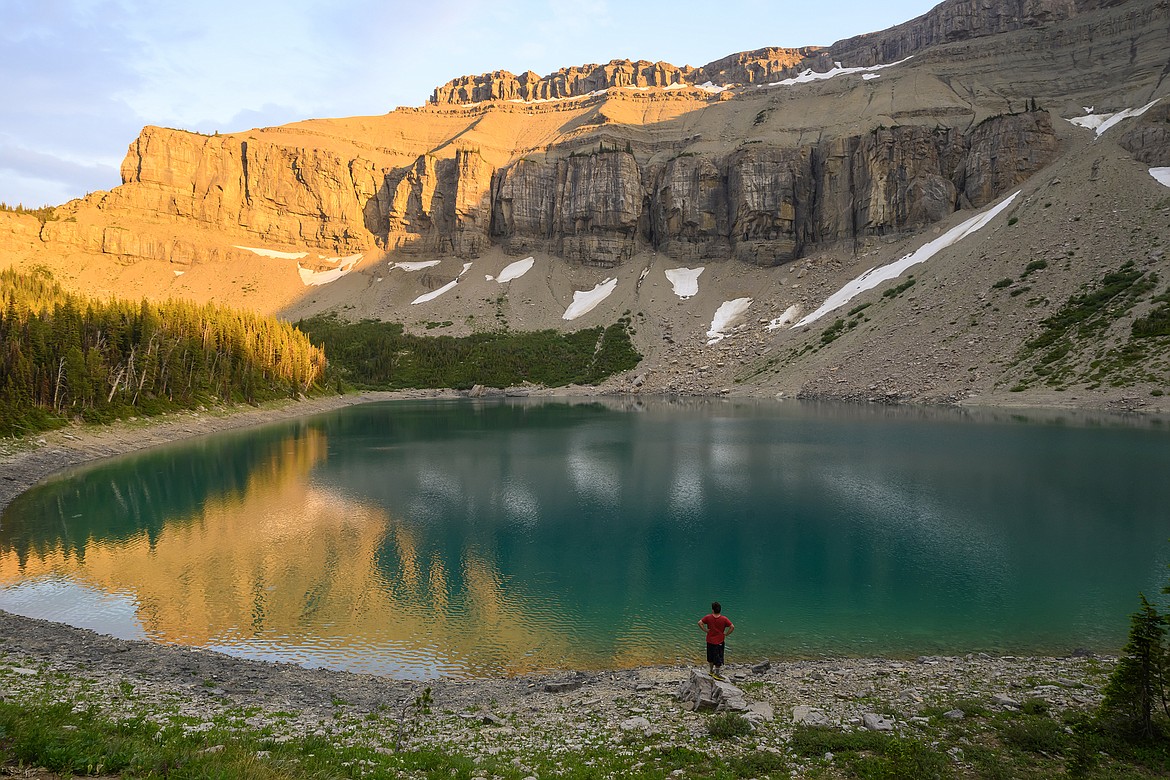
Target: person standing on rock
{"type": "Point", "coordinates": [718, 628]}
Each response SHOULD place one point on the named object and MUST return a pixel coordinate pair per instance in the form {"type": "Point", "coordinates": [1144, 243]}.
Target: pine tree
{"type": "Point", "coordinates": [1137, 687]}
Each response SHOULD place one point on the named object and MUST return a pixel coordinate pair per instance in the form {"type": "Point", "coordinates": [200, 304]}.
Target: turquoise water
{"type": "Point", "coordinates": [424, 539]}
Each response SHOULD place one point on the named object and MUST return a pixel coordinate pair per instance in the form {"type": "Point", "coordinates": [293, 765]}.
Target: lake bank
{"type": "Point", "coordinates": [533, 724]}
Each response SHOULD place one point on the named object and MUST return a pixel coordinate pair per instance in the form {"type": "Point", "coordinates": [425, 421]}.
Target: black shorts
{"type": "Point", "coordinates": [715, 654]}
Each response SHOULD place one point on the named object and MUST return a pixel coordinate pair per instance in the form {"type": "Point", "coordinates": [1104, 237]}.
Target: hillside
{"type": "Point", "coordinates": [782, 173]}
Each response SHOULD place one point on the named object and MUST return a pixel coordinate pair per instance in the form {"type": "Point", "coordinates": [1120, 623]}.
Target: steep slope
{"type": "Point", "coordinates": [780, 182]}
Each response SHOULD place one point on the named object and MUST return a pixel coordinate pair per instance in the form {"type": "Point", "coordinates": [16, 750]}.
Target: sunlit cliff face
{"type": "Point", "coordinates": [289, 571]}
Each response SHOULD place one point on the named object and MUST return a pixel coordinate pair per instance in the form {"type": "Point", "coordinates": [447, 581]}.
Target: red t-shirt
{"type": "Point", "coordinates": [716, 625]}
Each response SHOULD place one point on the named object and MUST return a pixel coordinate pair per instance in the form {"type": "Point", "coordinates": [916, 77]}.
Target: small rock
{"type": "Point", "coordinates": [874, 722]}
{"type": "Point", "coordinates": [761, 667]}
{"type": "Point", "coordinates": [562, 687]}
{"type": "Point", "coordinates": [213, 749]}
{"type": "Point", "coordinates": [1004, 701]}
{"type": "Point", "coordinates": [809, 716]}
{"type": "Point", "coordinates": [762, 710]}
{"type": "Point", "coordinates": [637, 723]}
{"type": "Point", "coordinates": [954, 714]}
{"type": "Point", "coordinates": [23, 672]}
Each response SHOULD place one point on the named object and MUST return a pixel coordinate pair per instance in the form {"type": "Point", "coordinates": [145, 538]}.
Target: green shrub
{"type": "Point", "coordinates": [894, 292]}
{"type": "Point", "coordinates": [728, 725]}
{"type": "Point", "coordinates": [1036, 734]}
{"type": "Point", "coordinates": [759, 763]}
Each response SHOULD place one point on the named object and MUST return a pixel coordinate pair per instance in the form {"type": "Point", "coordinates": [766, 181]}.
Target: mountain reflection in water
{"type": "Point", "coordinates": [427, 539]}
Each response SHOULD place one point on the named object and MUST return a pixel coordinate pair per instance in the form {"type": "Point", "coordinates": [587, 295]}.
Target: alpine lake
{"type": "Point", "coordinates": [458, 539]}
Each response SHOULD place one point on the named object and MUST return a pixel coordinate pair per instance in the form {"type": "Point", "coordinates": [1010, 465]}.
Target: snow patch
{"type": "Point", "coordinates": [837, 70]}
{"type": "Point", "coordinates": [725, 317]}
{"type": "Point", "coordinates": [875, 276]}
{"type": "Point", "coordinates": [515, 270]}
{"type": "Point", "coordinates": [1162, 175]}
{"type": "Point", "coordinates": [790, 314]}
{"type": "Point", "coordinates": [584, 301]}
{"type": "Point", "coordinates": [414, 266]}
{"type": "Point", "coordinates": [273, 253]}
{"type": "Point", "coordinates": [445, 288]}
{"type": "Point", "coordinates": [685, 281]}
{"type": "Point", "coordinates": [870, 76]}
{"type": "Point", "coordinates": [435, 293]}
{"type": "Point", "coordinates": [1102, 122]}
{"type": "Point", "coordinates": [179, 273]}
{"type": "Point", "coordinates": [312, 278]}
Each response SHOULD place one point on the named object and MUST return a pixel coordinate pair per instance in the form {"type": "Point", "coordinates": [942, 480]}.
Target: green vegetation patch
{"type": "Point", "coordinates": [381, 355]}
{"type": "Point", "coordinates": [870, 754]}
{"type": "Point", "coordinates": [1071, 346]}
{"type": "Point", "coordinates": [894, 292]}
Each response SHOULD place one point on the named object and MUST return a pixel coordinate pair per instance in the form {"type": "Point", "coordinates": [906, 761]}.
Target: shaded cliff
{"type": "Point", "coordinates": [760, 203]}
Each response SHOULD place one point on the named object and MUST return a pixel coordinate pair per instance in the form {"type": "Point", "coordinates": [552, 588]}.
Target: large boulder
{"type": "Point", "coordinates": [701, 691]}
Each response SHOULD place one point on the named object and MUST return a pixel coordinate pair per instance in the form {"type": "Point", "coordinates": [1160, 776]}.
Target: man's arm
{"type": "Point", "coordinates": [702, 625]}
{"type": "Point", "coordinates": [730, 628]}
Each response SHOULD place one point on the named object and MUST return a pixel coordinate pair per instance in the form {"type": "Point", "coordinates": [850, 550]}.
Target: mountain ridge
{"type": "Point", "coordinates": [781, 193]}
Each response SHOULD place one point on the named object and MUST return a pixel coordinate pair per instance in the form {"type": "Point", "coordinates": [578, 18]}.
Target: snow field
{"type": "Point", "coordinates": [789, 316]}
{"type": "Point", "coordinates": [414, 266]}
{"type": "Point", "coordinates": [445, 288]}
{"type": "Point", "coordinates": [273, 253]}
{"type": "Point", "coordinates": [585, 301]}
{"type": "Point", "coordinates": [514, 270]}
{"type": "Point", "coordinates": [811, 75]}
{"type": "Point", "coordinates": [725, 317]}
{"type": "Point", "coordinates": [685, 281]}
{"type": "Point", "coordinates": [875, 276]}
{"type": "Point", "coordinates": [1102, 122]}
{"type": "Point", "coordinates": [317, 278]}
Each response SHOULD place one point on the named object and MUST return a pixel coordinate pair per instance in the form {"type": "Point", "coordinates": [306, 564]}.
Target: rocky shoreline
{"type": "Point", "coordinates": [518, 717]}
{"type": "Point", "coordinates": [542, 714]}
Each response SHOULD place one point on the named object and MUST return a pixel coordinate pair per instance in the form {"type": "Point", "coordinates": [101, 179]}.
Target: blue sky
{"type": "Point", "coordinates": [82, 77]}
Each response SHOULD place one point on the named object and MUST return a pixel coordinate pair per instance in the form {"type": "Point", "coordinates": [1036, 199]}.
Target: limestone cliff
{"type": "Point", "coordinates": [752, 67]}
{"type": "Point", "coordinates": [281, 194]}
{"type": "Point", "coordinates": [950, 21]}
{"type": "Point", "coordinates": [762, 204]}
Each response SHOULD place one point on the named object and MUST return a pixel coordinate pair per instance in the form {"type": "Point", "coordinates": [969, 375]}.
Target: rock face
{"type": "Point", "coordinates": [566, 82]}
{"type": "Point", "coordinates": [1148, 139]}
{"type": "Point", "coordinates": [950, 21]}
{"type": "Point", "coordinates": [751, 67]}
{"type": "Point", "coordinates": [762, 204]}
{"type": "Point", "coordinates": [282, 194]}
{"type": "Point", "coordinates": [435, 206]}
{"type": "Point", "coordinates": [955, 20]}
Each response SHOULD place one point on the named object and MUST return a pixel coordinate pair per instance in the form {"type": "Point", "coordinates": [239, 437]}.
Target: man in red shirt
{"type": "Point", "coordinates": [718, 628]}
